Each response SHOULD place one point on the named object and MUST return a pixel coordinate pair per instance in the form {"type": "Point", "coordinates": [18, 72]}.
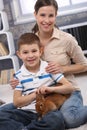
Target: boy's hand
{"type": "Point", "coordinates": [44, 90]}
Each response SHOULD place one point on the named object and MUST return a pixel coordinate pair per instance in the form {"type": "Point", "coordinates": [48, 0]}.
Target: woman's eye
{"type": "Point", "coordinates": [42, 15]}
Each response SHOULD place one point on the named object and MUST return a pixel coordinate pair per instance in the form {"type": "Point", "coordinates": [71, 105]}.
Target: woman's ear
{"type": "Point", "coordinates": [34, 14]}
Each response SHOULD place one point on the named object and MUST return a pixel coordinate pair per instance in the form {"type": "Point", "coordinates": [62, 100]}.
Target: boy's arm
{"type": "Point", "coordinates": [20, 101]}
{"type": "Point", "coordinates": [64, 86]}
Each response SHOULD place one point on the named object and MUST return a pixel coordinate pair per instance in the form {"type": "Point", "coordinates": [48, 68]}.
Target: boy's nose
{"type": "Point", "coordinates": [30, 55]}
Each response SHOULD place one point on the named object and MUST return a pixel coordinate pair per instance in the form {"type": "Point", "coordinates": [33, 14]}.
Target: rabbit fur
{"type": "Point", "coordinates": [49, 102]}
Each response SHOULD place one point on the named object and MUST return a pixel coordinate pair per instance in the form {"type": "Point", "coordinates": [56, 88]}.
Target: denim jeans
{"type": "Point", "coordinates": [17, 119]}
{"type": "Point", "coordinates": [8, 106]}
{"type": "Point", "coordinates": [73, 111]}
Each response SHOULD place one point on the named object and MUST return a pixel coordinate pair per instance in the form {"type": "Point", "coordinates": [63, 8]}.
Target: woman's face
{"type": "Point", "coordinates": [45, 18]}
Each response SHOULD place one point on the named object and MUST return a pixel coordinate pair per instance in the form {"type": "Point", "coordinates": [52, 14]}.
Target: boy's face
{"type": "Point", "coordinates": [30, 55]}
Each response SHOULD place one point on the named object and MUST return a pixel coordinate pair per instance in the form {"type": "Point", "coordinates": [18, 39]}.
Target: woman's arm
{"type": "Point", "coordinates": [74, 52]}
{"type": "Point", "coordinates": [55, 68]}
{"type": "Point", "coordinates": [14, 82]}
{"type": "Point", "coordinates": [74, 69]}
{"type": "Point", "coordinates": [20, 101]}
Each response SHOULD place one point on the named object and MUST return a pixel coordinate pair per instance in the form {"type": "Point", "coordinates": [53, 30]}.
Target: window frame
{"type": "Point", "coordinates": [20, 18]}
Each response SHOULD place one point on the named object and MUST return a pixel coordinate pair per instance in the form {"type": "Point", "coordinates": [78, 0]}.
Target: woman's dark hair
{"type": "Point", "coordinates": [41, 3]}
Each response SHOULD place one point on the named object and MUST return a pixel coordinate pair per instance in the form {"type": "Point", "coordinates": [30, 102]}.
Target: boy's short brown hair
{"type": "Point", "coordinates": [28, 38]}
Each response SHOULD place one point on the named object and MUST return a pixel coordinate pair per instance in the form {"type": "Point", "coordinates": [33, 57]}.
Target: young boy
{"type": "Point", "coordinates": [33, 79]}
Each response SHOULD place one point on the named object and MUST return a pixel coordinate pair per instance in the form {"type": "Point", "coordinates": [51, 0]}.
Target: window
{"type": "Point", "coordinates": [78, 1]}
{"type": "Point", "coordinates": [1, 5]}
{"type": "Point", "coordinates": [23, 9]}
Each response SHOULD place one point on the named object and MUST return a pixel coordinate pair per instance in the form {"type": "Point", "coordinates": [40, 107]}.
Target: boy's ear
{"type": "Point", "coordinates": [18, 54]}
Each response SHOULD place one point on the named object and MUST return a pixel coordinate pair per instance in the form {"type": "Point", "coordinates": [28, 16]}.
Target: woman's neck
{"type": "Point", "coordinates": [45, 37]}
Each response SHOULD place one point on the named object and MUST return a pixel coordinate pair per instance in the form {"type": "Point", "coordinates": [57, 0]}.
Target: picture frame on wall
{"type": "Point", "coordinates": [4, 25]}
{"type": "Point", "coordinates": [1, 25]}
{"type": "Point", "coordinates": [1, 5]}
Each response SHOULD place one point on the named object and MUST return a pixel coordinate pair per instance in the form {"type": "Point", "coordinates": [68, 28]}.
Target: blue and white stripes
{"type": "Point", "coordinates": [29, 82]}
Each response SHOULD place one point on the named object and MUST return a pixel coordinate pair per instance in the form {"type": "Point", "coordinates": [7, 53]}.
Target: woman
{"type": "Point", "coordinates": [58, 49]}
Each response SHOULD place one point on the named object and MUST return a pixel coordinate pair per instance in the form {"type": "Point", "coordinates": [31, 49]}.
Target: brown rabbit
{"type": "Point", "coordinates": [46, 103]}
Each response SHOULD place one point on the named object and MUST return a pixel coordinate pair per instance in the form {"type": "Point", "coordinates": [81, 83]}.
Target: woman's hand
{"type": "Point", "coordinates": [14, 82]}
{"type": "Point", "coordinates": [54, 68]}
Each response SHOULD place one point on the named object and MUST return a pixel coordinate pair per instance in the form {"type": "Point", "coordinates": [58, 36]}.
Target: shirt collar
{"type": "Point", "coordinates": [26, 72]}
{"type": "Point", "coordinates": [55, 34]}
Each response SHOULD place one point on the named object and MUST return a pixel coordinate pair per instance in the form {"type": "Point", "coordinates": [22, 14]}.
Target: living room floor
{"type": "Point", "coordinates": [6, 93]}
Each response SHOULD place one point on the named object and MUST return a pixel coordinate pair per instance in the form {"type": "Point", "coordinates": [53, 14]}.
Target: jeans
{"type": "Point", "coordinates": [8, 106]}
{"type": "Point", "coordinates": [73, 111]}
{"type": "Point", "coordinates": [17, 119]}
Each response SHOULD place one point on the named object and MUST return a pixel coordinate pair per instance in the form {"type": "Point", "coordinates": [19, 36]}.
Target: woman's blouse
{"type": "Point", "coordinates": [63, 47]}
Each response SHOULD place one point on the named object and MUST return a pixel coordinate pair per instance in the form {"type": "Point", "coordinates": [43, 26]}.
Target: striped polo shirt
{"type": "Point", "coordinates": [29, 82]}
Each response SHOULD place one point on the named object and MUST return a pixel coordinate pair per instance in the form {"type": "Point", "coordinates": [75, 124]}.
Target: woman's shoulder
{"type": "Point", "coordinates": [63, 34]}
{"type": "Point", "coordinates": [66, 34]}
{"type": "Point", "coordinates": [69, 38]}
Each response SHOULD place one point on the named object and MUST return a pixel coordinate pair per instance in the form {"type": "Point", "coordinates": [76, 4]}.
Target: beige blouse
{"type": "Point", "coordinates": [63, 47]}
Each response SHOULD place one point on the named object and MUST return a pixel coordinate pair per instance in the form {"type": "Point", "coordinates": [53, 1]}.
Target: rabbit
{"type": "Point", "coordinates": [47, 103]}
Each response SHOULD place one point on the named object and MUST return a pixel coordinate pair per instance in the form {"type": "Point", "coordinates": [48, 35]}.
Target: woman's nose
{"type": "Point", "coordinates": [46, 20]}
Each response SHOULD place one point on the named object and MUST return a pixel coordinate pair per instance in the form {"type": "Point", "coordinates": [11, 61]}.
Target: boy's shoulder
{"type": "Point", "coordinates": [18, 73]}
{"type": "Point", "coordinates": [24, 71]}
{"type": "Point", "coordinates": [43, 64]}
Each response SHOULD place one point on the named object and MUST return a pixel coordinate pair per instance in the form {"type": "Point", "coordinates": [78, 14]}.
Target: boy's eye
{"type": "Point", "coordinates": [25, 52]}
{"type": "Point", "coordinates": [34, 50]}
{"type": "Point", "coordinates": [51, 15]}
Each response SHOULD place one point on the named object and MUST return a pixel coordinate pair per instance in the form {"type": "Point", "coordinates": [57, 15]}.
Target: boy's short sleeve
{"type": "Point", "coordinates": [57, 77]}
{"type": "Point", "coordinates": [19, 86]}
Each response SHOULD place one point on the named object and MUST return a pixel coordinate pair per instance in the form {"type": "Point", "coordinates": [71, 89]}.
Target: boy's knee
{"type": "Point", "coordinates": [55, 120]}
